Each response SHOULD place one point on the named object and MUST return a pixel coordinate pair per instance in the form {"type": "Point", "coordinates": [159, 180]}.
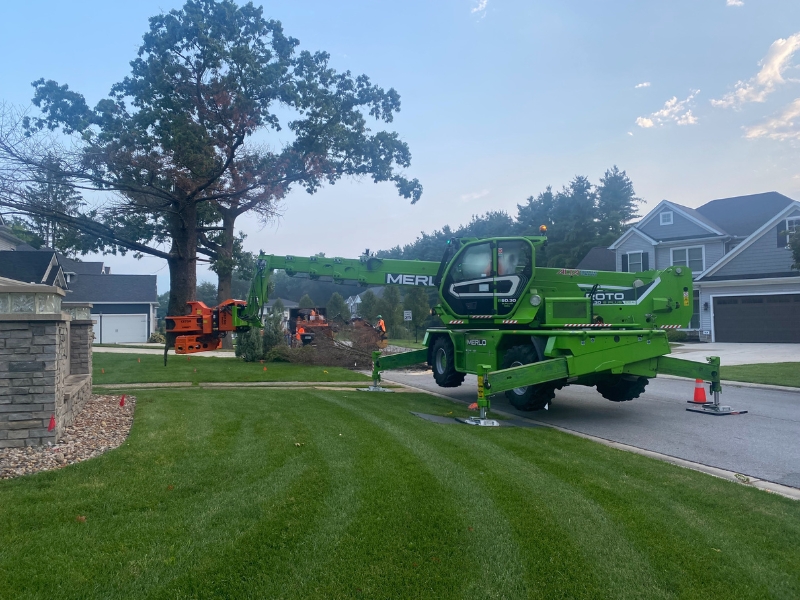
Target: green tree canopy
{"type": "Point", "coordinates": [416, 300]}
{"type": "Point", "coordinates": [369, 308]}
{"type": "Point", "coordinates": [307, 302]}
{"type": "Point", "coordinates": [173, 140]}
{"type": "Point", "coordinates": [337, 308]}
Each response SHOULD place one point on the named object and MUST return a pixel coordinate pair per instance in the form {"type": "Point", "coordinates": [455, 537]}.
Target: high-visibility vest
{"type": "Point", "coordinates": [382, 325]}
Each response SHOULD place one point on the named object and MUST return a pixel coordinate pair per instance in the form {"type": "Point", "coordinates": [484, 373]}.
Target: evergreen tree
{"type": "Point", "coordinates": [369, 308]}
{"type": "Point", "coordinates": [616, 204]}
{"type": "Point", "coordinates": [337, 308]}
{"type": "Point", "coordinates": [273, 328]}
{"type": "Point", "coordinates": [391, 309]}
{"type": "Point", "coordinates": [416, 300]}
{"type": "Point", "coordinates": [307, 302]}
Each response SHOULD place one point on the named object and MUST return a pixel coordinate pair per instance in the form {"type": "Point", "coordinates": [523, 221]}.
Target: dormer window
{"type": "Point", "coordinates": [665, 217]}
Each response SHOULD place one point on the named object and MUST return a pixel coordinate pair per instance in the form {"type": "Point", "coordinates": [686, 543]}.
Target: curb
{"type": "Point", "coordinates": [745, 384]}
{"type": "Point", "coordinates": [761, 484]}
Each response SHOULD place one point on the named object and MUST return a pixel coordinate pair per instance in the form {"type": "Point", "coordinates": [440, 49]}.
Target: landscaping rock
{"type": "Point", "coordinates": [100, 426]}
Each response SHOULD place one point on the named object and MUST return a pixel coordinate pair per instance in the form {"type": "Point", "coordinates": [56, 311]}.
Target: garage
{"type": "Point", "coordinates": [118, 329]}
{"type": "Point", "coordinates": [771, 318]}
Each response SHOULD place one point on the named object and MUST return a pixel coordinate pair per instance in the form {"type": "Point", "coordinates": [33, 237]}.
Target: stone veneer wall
{"type": "Point", "coordinates": [35, 381]}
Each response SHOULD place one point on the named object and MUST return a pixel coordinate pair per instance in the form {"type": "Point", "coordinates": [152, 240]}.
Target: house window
{"type": "Point", "coordinates": [634, 262]}
{"type": "Point", "coordinates": [793, 225]}
{"type": "Point", "coordinates": [666, 217]}
{"type": "Point", "coordinates": [689, 257]}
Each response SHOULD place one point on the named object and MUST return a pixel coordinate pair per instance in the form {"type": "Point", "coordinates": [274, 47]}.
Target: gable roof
{"type": "Point", "coordinates": [688, 213]}
{"type": "Point", "coordinates": [742, 215]}
{"type": "Point", "coordinates": [599, 259]}
{"type": "Point", "coordinates": [32, 267]}
{"type": "Point", "coordinates": [749, 241]}
{"type": "Point", "coordinates": [629, 233]}
{"type": "Point", "coordinates": [79, 267]}
{"type": "Point", "coordinates": [133, 289]}
{"type": "Point", "coordinates": [286, 303]}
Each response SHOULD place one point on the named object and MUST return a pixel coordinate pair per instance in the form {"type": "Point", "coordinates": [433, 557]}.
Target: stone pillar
{"type": "Point", "coordinates": [33, 372]}
{"type": "Point", "coordinates": [81, 335]}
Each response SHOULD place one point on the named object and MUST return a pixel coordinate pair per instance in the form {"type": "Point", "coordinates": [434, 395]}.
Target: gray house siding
{"type": "Point", "coordinates": [707, 293]}
{"type": "Point", "coordinates": [681, 227]}
{"type": "Point", "coordinates": [714, 251]}
{"type": "Point", "coordinates": [634, 244]}
{"type": "Point", "coordinates": [762, 256]}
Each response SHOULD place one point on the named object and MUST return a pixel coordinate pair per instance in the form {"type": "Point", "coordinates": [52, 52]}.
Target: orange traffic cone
{"type": "Point", "coordinates": [122, 400]}
{"type": "Point", "coordinates": [265, 368]}
{"type": "Point", "coordinates": [52, 424]}
{"type": "Point", "coordinates": [699, 393]}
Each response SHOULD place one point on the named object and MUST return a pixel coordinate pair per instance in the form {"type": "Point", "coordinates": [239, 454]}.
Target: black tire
{"type": "Point", "coordinates": [443, 363]}
{"type": "Point", "coordinates": [622, 388]}
{"type": "Point", "coordinates": [532, 397]}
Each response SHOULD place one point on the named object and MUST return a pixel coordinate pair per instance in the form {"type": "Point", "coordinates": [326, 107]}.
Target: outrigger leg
{"type": "Point", "coordinates": [483, 400]}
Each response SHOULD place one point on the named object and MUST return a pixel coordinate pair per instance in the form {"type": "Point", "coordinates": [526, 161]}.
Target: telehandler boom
{"type": "Point", "coordinates": [524, 330]}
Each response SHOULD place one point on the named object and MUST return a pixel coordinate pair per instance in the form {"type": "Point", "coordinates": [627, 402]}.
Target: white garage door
{"type": "Point", "coordinates": [116, 329]}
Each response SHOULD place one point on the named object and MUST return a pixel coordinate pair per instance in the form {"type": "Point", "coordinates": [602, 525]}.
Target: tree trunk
{"type": "Point", "coordinates": [182, 262]}
{"type": "Point", "coordinates": [224, 266]}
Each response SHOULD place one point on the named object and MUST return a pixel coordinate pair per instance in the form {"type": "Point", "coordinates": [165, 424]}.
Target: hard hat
{"type": "Point", "coordinates": [379, 317]}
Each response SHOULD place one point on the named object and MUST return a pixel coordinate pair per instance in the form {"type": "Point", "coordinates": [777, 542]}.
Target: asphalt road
{"type": "Point", "coordinates": [763, 443]}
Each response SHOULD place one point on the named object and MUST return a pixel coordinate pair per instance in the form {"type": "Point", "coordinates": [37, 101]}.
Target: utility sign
{"type": "Point", "coordinates": [406, 315]}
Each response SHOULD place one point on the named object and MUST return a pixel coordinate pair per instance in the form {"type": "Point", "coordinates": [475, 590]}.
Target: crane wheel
{"type": "Point", "coordinates": [621, 388]}
{"type": "Point", "coordinates": [443, 363]}
{"type": "Point", "coordinates": [532, 397]}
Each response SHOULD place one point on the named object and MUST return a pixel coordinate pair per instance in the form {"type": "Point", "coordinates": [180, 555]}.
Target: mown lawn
{"type": "Point", "coordinates": [322, 494]}
{"type": "Point", "coordinates": [149, 368]}
{"type": "Point", "coordinates": [773, 374]}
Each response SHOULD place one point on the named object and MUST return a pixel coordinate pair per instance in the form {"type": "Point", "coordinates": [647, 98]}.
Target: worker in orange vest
{"type": "Point", "coordinates": [298, 335]}
{"type": "Point", "coordinates": [381, 326]}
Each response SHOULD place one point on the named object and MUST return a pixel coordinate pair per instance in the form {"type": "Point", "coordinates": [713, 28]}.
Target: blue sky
{"type": "Point", "coordinates": [695, 99]}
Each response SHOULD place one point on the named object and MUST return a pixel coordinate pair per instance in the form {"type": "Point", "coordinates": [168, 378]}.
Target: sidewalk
{"type": "Point", "coordinates": [739, 354]}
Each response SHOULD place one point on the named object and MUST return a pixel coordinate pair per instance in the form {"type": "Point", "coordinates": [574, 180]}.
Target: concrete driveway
{"type": "Point", "coordinates": [739, 354]}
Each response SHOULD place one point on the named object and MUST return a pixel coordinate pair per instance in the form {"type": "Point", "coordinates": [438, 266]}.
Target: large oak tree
{"type": "Point", "coordinates": [188, 142]}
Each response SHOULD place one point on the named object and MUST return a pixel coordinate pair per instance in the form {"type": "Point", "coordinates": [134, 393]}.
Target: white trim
{"type": "Point", "coordinates": [641, 260]}
{"type": "Point", "coordinates": [721, 239]}
{"type": "Point", "coordinates": [747, 242]}
{"type": "Point", "coordinates": [687, 248]}
{"type": "Point", "coordinates": [678, 208]}
{"type": "Point", "coordinates": [130, 302]}
{"type": "Point", "coordinates": [711, 305]}
{"type": "Point", "coordinates": [628, 233]}
{"type": "Point", "coordinates": [746, 282]}
{"type": "Point", "coordinates": [662, 214]}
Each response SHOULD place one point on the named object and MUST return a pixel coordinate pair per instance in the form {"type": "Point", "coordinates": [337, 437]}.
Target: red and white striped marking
{"type": "Point", "coordinates": [587, 325]}
{"type": "Point", "coordinates": [510, 321]}
{"type": "Point", "coordinates": [456, 322]}
{"type": "Point", "coordinates": [670, 327]}
{"type": "Point", "coordinates": [481, 317]}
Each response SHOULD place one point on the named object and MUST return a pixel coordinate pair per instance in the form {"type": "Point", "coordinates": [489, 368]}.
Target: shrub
{"type": "Point", "coordinates": [676, 335]}
{"type": "Point", "coordinates": [279, 354]}
{"type": "Point", "coordinates": [249, 346]}
{"type": "Point", "coordinates": [156, 338]}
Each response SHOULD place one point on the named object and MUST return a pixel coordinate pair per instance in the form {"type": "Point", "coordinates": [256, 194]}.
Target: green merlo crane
{"type": "Point", "coordinates": [526, 331]}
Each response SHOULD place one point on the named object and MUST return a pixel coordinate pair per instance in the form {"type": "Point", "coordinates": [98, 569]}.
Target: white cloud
{"type": "Point", "coordinates": [757, 88]}
{"type": "Point", "coordinates": [785, 126]}
{"type": "Point", "coordinates": [642, 85]}
{"type": "Point", "coordinates": [674, 111]}
{"type": "Point", "coordinates": [474, 195]}
{"type": "Point", "coordinates": [480, 8]}
{"type": "Point", "coordinates": [630, 132]}
{"type": "Point", "coordinates": [734, 3]}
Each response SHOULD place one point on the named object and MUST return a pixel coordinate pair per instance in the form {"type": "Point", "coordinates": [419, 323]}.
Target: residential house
{"type": "Point", "coordinates": [737, 248]}
{"type": "Point", "coordinates": [124, 306]}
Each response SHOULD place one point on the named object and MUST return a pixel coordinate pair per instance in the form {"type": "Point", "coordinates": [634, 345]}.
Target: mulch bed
{"type": "Point", "coordinates": [102, 425]}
